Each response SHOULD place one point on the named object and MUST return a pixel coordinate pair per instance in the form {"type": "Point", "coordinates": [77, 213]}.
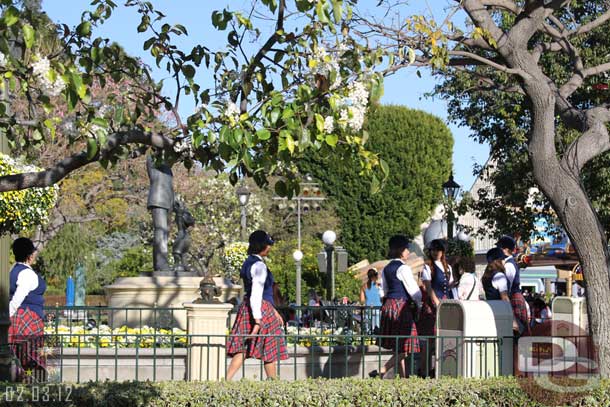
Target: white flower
{"type": "Point", "coordinates": [329, 124]}
{"type": "Point", "coordinates": [3, 60]}
{"type": "Point", "coordinates": [232, 112]}
{"type": "Point", "coordinates": [42, 73]}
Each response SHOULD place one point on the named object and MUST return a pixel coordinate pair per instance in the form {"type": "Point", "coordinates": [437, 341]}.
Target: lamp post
{"type": "Point", "coordinates": [243, 195]}
{"type": "Point", "coordinates": [297, 255]}
{"type": "Point", "coordinates": [329, 238]}
{"type": "Point", "coordinates": [451, 190]}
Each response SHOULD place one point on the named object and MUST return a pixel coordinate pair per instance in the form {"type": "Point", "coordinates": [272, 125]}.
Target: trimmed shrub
{"type": "Point", "coordinates": [505, 391]}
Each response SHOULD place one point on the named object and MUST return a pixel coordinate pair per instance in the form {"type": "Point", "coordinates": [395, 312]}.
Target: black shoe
{"type": "Point", "coordinates": [374, 373]}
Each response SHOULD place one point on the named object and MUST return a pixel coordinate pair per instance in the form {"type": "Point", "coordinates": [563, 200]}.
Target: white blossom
{"type": "Point", "coordinates": [42, 70]}
{"type": "Point", "coordinates": [3, 60]}
{"type": "Point", "coordinates": [329, 124]}
{"type": "Point", "coordinates": [184, 147]}
{"type": "Point", "coordinates": [324, 65]}
{"type": "Point", "coordinates": [232, 112]}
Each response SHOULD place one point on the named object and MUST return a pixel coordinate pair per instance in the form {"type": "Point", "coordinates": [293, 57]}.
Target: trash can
{"type": "Point", "coordinates": [474, 339]}
{"type": "Point", "coordinates": [571, 310]}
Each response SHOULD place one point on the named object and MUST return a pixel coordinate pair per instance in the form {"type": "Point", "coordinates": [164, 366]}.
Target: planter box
{"type": "Point", "coordinates": [81, 365]}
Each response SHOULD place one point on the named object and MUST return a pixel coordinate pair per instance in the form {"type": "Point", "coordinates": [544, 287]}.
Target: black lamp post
{"type": "Point", "coordinates": [451, 190]}
{"type": "Point", "coordinates": [243, 194]}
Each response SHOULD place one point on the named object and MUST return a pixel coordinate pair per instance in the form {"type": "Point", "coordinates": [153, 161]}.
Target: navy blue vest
{"type": "Point", "coordinates": [439, 283]}
{"type": "Point", "coordinates": [516, 286]}
{"type": "Point", "coordinates": [491, 293]}
{"type": "Point", "coordinates": [395, 288]}
{"type": "Point", "coordinates": [247, 277]}
{"type": "Point", "coordinates": [34, 300]}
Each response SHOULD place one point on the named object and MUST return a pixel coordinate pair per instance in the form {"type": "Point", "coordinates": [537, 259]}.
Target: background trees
{"type": "Point", "coordinates": [417, 147]}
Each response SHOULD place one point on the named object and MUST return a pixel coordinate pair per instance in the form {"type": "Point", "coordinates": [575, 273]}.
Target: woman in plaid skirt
{"type": "Point", "coordinates": [402, 300]}
{"type": "Point", "coordinates": [26, 333]}
{"type": "Point", "coordinates": [257, 314]}
{"type": "Point", "coordinates": [520, 308]}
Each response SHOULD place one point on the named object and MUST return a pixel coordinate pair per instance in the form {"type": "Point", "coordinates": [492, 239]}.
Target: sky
{"type": "Point", "coordinates": [404, 88]}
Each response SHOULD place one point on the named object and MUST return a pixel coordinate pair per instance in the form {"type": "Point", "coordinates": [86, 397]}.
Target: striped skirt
{"type": "Point", "coordinates": [397, 319]}
{"type": "Point", "coordinates": [520, 312]}
{"type": "Point", "coordinates": [267, 349]}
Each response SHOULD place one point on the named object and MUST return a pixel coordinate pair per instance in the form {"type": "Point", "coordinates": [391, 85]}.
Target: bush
{"type": "Point", "coordinates": [319, 392]}
{"type": "Point", "coordinates": [417, 147]}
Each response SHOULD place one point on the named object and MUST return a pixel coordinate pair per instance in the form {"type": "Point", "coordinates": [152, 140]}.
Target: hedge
{"type": "Point", "coordinates": [313, 392]}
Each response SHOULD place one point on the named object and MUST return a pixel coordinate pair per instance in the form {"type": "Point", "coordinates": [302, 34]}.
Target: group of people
{"type": "Point", "coordinates": [408, 309]}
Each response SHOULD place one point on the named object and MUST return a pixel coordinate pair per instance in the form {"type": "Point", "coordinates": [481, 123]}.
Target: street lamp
{"type": "Point", "coordinates": [329, 238]}
{"type": "Point", "coordinates": [243, 195]}
{"type": "Point", "coordinates": [297, 255]}
{"type": "Point", "coordinates": [451, 190]}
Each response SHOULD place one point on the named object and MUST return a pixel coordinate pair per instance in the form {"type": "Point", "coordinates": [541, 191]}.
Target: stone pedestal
{"type": "Point", "coordinates": [207, 328]}
{"type": "Point", "coordinates": [138, 301]}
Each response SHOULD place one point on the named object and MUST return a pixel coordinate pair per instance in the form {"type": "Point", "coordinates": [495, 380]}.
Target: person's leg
{"type": "Point", "coordinates": [236, 362]}
{"type": "Point", "coordinates": [270, 370]}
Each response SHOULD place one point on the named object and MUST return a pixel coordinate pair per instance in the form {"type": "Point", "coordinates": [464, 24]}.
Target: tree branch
{"type": "Point", "coordinates": [578, 78]}
{"type": "Point", "coordinates": [54, 174]}
{"type": "Point", "coordinates": [485, 61]}
{"type": "Point", "coordinates": [593, 142]}
{"type": "Point", "coordinates": [583, 29]}
{"type": "Point", "coordinates": [507, 5]}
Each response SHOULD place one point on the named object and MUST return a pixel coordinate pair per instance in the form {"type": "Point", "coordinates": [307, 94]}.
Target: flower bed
{"type": "Point", "coordinates": [324, 337]}
{"type": "Point", "coordinates": [105, 337]}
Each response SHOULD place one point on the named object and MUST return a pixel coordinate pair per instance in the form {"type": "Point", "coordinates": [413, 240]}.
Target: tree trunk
{"type": "Point", "coordinates": [580, 222]}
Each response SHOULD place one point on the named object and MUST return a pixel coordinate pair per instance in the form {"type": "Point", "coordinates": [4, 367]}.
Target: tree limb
{"type": "Point", "coordinates": [52, 175]}
{"type": "Point", "coordinates": [583, 29]}
{"type": "Point", "coordinates": [593, 142]}
{"type": "Point", "coordinates": [489, 62]}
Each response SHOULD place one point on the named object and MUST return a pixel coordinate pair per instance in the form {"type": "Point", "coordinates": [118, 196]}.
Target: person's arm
{"type": "Point", "coordinates": [26, 282]}
{"type": "Point", "coordinates": [405, 275]}
{"type": "Point", "coordinates": [426, 277]}
{"type": "Point", "coordinates": [259, 275]}
{"type": "Point", "coordinates": [511, 272]}
{"type": "Point", "coordinates": [384, 284]}
{"type": "Point", "coordinates": [362, 295]}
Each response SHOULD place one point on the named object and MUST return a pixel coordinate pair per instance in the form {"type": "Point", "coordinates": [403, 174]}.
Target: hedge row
{"type": "Point", "coordinates": [505, 392]}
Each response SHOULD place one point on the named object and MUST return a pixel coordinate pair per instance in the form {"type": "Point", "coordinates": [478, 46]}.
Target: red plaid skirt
{"type": "Point", "coordinates": [267, 349]}
{"type": "Point", "coordinates": [26, 339]}
{"type": "Point", "coordinates": [517, 302]}
{"type": "Point", "coordinates": [397, 319]}
{"type": "Point", "coordinates": [426, 325]}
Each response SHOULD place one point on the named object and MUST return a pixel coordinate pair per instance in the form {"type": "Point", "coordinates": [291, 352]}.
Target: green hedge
{"type": "Point", "coordinates": [314, 392]}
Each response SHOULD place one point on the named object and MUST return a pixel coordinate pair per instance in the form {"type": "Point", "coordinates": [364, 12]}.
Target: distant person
{"type": "Point", "coordinates": [541, 311]}
{"type": "Point", "coordinates": [256, 314]}
{"type": "Point", "coordinates": [578, 290]}
{"type": "Point", "coordinates": [495, 283]}
{"type": "Point", "coordinates": [439, 283]}
{"type": "Point", "coordinates": [520, 308]}
{"type": "Point", "coordinates": [26, 312]}
{"type": "Point", "coordinates": [370, 295]}
{"type": "Point", "coordinates": [469, 288]}
{"type": "Point", "coordinates": [401, 304]}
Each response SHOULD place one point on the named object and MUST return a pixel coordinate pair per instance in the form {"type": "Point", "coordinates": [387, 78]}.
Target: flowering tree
{"type": "Point", "coordinates": [503, 51]}
{"type": "Point", "coordinates": [247, 125]}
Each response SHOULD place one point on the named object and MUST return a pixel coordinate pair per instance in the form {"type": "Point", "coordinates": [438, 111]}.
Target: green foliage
{"type": "Point", "coordinates": [459, 248]}
{"type": "Point", "coordinates": [502, 119]}
{"type": "Point", "coordinates": [74, 244]}
{"type": "Point", "coordinates": [417, 148]}
{"type": "Point", "coordinates": [22, 210]}
{"type": "Point", "coordinates": [501, 391]}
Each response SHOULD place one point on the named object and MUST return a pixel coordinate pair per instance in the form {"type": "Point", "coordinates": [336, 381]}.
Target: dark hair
{"type": "Point", "coordinates": [494, 267]}
{"type": "Point", "coordinates": [398, 243]}
{"type": "Point", "coordinates": [506, 242]}
{"type": "Point", "coordinates": [438, 245]}
{"type": "Point", "coordinates": [466, 263]}
{"type": "Point", "coordinates": [494, 254]}
{"type": "Point", "coordinates": [372, 273]}
{"type": "Point", "coordinates": [258, 241]}
{"type": "Point", "coordinates": [539, 303]}
{"type": "Point", "coordinates": [23, 248]}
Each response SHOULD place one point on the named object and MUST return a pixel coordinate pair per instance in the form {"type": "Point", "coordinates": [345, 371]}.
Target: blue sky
{"type": "Point", "coordinates": [404, 88]}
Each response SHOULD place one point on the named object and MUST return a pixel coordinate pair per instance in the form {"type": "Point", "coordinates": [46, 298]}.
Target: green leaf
{"type": "Point", "coordinates": [28, 35]}
{"type": "Point", "coordinates": [411, 56]}
{"type": "Point", "coordinates": [375, 184]}
{"type": "Point", "coordinates": [98, 121]}
{"type": "Point", "coordinates": [319, 122]}
{"type": "Point", "coordinates": [84, 29]}
{"type": "Point", "coordinates": [337, 10]}
{"type": "Point", "coordinates": [275, 114]}
{"type": "Point", "coordinates": [290, 143]}
{"type": "Point", "coordinates": [281, 188]}
{"type": "Point", "coordinates": [11, 16]}
{"type": "Point", "coordinates": [263, 134]}
{"type": "Point", "coordinates": [332, 139]}
{"type": "Point", "coordinates": [188, 71]}
{"type": "Point", "coordinates": [91, 148]}
{"type": "Point", "coordinates": [384, 167]}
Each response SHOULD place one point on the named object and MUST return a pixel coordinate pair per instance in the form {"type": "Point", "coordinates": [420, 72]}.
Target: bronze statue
{"type": "Point", "coordinates": [182, 243]}
{"type": "Point", "coordinates": [160, 202]}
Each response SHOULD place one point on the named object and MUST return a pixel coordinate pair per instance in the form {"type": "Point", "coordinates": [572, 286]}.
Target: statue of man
{"type": "Point", "coordinates": [160, 203]}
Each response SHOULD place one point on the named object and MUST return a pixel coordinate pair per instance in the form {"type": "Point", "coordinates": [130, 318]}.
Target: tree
{"type": "Point", "coordinates": [514, 38]}
{"type": "Point", "coordinates": [246, 125]}
{"type": "Point", "coordinates": [417, 147]}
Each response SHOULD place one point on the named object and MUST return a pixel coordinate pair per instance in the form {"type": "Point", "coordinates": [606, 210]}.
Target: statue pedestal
{"type": "Point", "coordinates": [207, 327]}
{"type": "Point", "coordinates": [139, 301]}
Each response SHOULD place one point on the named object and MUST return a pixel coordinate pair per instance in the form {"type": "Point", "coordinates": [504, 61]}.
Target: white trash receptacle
{"type": "Point", "coordinates": [474, 339]}
{"type": "Point", "coordinates": [572, 310]}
